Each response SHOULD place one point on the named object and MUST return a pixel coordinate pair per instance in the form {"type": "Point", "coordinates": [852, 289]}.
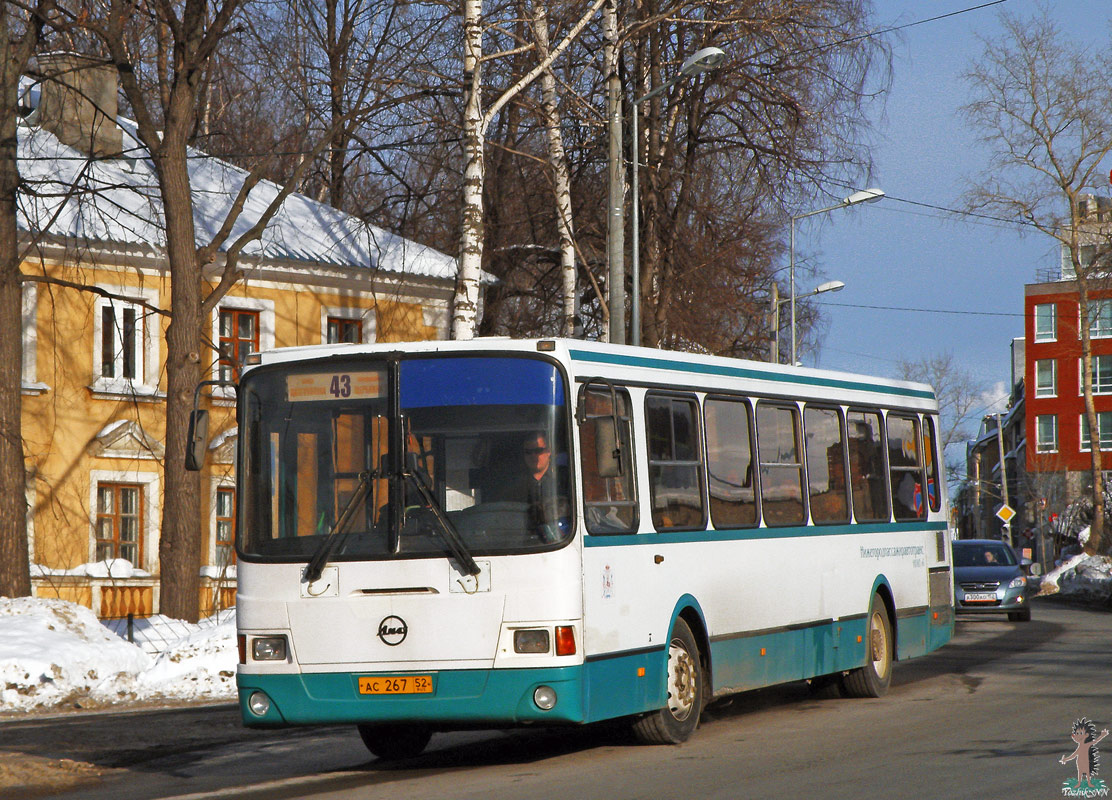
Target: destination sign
{"type": "Point", "coordinates": [324, 386]}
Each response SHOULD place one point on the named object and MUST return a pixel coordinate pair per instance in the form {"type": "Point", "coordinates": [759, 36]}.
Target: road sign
{"type": "Point", "coordinates": [1005, 513]}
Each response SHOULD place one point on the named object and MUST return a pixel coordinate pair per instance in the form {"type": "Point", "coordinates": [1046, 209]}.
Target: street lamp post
{"type": "Point", "coordinates": [706, 59]}
{"type": "Point", "coordinates": [863, 196]}
{"type": "Point", "coordinates": [777, 302]}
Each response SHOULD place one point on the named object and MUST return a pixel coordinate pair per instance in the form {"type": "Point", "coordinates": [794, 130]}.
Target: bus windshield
{"type": "Point", "coordinates": [419, 457]}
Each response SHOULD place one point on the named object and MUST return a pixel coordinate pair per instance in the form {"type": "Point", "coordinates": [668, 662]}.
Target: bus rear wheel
{"type": "Point", "coordinates": [872, 679]}
{"type": "Point", "coordinates": [686, 689]}
{"type": "Point", "coordinates": [390, 742]}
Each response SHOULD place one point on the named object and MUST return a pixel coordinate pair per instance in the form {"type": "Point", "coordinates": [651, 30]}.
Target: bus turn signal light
{"type": "Point", "coordinates": [565, 640]}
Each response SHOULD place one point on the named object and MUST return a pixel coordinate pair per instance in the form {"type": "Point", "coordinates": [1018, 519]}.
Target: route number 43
{"type": "Point", "coordinates": [340, 386]}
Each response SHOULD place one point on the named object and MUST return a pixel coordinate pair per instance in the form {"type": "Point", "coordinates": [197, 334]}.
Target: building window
{"type": "Point", "coordinates": [225, 532]}
{"type": "Point", "coordinates": [1046, 377]}
{"type": "Point", "coordinates": [1100, 319]}
{"type": "Point", "coordinates": [239, 337]}
{"type": "Point", "coordinates": [1046, 433]}
{"type": "Point", "coordinates": [1046, 323]}
{"type": "Point", "coordinates": [1104, 425]}
{"type": "Point", "coordinates": [123, 347]}
{"type": "Point", "coordinates": [1102, 375]}
{"type": "Point", "coordinates": [344, 330]}
{"type": "Point", "coordinates": [119, 522]}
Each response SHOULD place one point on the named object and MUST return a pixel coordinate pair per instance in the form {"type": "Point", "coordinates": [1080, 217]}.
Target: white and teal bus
{"type": "Point", "coordinates": [441, 535]}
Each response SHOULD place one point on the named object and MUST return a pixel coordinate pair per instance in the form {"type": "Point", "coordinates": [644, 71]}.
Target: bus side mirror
{"type": "Point", "coordinates": [608, 451]}
{"type": "Point", "coordinates": [198, 438]}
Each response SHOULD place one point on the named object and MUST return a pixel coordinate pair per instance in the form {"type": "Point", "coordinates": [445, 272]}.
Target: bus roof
{"type": "Point", "coordinates": [649, 366]}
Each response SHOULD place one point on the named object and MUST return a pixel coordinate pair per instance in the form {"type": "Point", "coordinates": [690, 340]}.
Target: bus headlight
{"type": "Point", "coordinates": [259, 704]}
{"type": "Point", "coordinates": [544, 697]}
{"type": "Point", "coordinates": [268, 648]}
{"type": "Point", "coordinates": [531, 641]}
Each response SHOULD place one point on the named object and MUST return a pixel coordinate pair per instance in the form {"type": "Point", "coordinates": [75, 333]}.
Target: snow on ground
{"type": "Point", "coordinates": [57, 655]}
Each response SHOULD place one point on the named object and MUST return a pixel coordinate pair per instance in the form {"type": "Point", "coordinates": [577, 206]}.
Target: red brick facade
{"type": "Point", "coordinates": [1067, 404]}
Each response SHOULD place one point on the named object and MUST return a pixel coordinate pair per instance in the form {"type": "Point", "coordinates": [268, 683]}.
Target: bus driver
{"type": "Point", "coordinates": [537, 487]}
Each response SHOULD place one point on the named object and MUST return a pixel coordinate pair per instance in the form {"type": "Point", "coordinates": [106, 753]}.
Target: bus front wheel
{"type": "Point", "coordinates": [686, 689]}
{"type": "Point", "coordinates": [872, 679]}
{"type": "Point", "coordinates": [390, 742]}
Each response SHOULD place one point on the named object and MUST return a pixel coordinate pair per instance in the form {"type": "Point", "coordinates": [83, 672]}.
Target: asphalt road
{"type": "Point", "coordinates": [987, 716]}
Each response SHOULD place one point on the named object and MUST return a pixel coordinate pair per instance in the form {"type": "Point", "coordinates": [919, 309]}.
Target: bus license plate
{"type": "Point", "coordinates": [396, 684]}
{"type": "Point", "coordinates": [980, 597]}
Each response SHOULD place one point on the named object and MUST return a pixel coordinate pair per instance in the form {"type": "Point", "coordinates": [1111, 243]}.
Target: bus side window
{"type": "Point", "coordinates": [866, 467]}
{"type": "Point", "coordinates": [730, 464]}
{"type": "Point", "coordinates": [675, 463]}
{"type": "Point", "coordinates": [905, 465]}
{"type": "Point", "coordinates": [781, 469]}
{"type": "Point", "coordinates": [934, 493]}
{"type": "Point", "coordinates": [826, 465]}
{"type": "Point", "coordinates": [609, 493]}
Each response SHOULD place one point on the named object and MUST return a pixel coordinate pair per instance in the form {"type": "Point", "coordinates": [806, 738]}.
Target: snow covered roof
{"type": "Point", "coordinates": [90, 203]}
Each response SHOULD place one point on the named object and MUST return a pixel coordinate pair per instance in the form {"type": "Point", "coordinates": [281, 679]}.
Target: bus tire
{"type": "Point", "coordinates": [872, 680]}
{"type": "Point", "coordinates": [390, 742]}
{"type": "Point", "coordinates": [685, 688]}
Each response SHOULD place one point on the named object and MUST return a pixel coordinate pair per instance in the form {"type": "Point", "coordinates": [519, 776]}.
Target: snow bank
{"type": "Point", "coordinates": [56, 654]}
{"type": "Point", "coordinates": [1083, 577]}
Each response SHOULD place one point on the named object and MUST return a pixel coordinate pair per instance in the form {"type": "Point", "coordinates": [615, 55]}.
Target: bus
{"type": "Point", "coordinates": [494, 533]}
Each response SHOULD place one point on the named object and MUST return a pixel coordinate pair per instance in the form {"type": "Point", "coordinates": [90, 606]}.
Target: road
{"type": "Point", "coordinates": [987, 716]}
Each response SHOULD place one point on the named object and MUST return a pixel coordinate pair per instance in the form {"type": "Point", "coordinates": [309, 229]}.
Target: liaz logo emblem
{"type": "Point", "coordinates": [392, 631]}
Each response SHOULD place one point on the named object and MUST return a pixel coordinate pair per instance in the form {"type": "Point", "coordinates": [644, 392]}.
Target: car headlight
{"type": "Point", "coordinates": [1017, 582]}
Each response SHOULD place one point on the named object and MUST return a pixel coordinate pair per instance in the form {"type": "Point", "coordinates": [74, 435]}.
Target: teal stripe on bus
{"type": "Point", "coordinates": [745, 534]}
{"type": "Point", "coordinates": [743, 372]}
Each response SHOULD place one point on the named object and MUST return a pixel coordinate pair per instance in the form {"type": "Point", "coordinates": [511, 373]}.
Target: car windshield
{"type": "Point", "coordinates": [474, 445]}
{"type": "Point", "coordinates": [983, 554]}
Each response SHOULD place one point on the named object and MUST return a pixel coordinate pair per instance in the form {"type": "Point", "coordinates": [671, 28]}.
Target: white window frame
{"type": "Point", "coordinates": [1097, 310]}
{"type": "Point", "coordinates": [30, 331]}
{"type": "Point", "coordinates": [218, 482]}
{"type": "Point", "coordinates": [1041, 445]}
{"type": "Point", "coordinates": [151, 486]}
{"type": "Point", "coordinates": [265, 308]}
{"type": "Point", "coordinates": [366, 316]}
{"type": "Point", "coordinates": [145, 381]}
{"type": "Point", "coordinates": [1104, 433]}
{"type": "Point", "coordinates": [1040, 389]}
{"type": "Point", "coordinates": [1098, 388]}
{"type": "Point", "coordinates": [1051, 335]}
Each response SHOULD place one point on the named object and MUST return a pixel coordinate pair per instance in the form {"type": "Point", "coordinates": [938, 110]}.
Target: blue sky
{"type": "Point", "coordinates": [898, 255]}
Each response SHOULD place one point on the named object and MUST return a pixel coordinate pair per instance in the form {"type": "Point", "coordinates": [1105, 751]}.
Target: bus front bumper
{"type": "Point", "coordinates": [459, 697]}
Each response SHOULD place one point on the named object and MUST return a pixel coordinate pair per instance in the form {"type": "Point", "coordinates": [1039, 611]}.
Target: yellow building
{"type": "Point", "coordinates": [94, 351]}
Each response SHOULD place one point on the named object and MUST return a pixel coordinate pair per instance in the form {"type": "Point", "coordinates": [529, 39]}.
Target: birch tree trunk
{"type": "Point", "coordinates": [561, 183]}
{"type": "Point", "coordinates": [465, 312]}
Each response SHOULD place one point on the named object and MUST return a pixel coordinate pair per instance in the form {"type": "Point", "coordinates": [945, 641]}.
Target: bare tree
{"type": "Point", "coordinates": [162, 51]}
{"type": "Point", "coordinates": [21, 31]}
{"type": "Point", "coordinates": [476, 122]}
{"type": "Point", "coordinates": [960, 394]}
{"type": "Point", "coordinates": [1044, 107]}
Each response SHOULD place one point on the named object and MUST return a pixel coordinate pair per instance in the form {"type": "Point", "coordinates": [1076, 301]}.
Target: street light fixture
{"type": "Point", "coordinates": [701, 61]}
{"type": "Point", "coordinates": [863, 196]}
{"type": "Point", "coordinates": [829, 286]}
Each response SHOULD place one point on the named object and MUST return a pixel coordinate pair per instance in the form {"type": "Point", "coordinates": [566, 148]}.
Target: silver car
{"type": "Point", "coordinates": [990, 579]}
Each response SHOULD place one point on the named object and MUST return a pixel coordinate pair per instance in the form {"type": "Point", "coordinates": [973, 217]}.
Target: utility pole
{"type": "Point", "coordinates": [615, 237]}
{"type": "Point", "coordinates": [1003, 474]}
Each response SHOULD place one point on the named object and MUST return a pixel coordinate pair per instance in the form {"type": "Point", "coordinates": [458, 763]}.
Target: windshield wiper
{"type": "Point", "coordinates": [447, 528]}
{"type": "Point", "coordinates": [331, 539]}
